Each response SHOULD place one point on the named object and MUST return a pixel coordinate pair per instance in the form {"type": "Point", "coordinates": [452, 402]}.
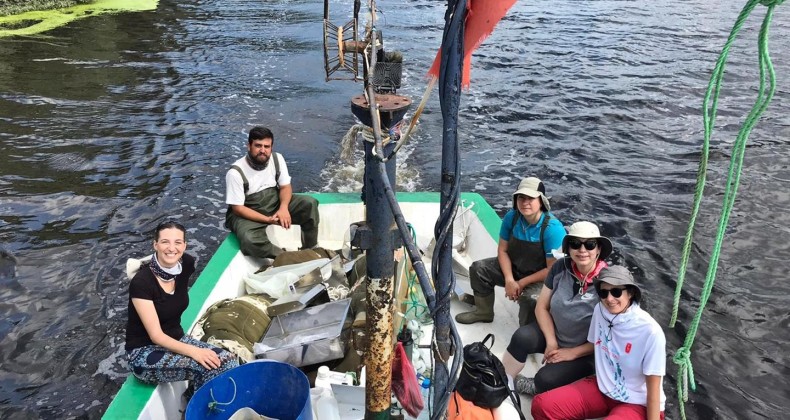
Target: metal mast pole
{"type": "Point", "coordinates": [380, 254]}
{"type": "Point", "coordinates": [381, 272]}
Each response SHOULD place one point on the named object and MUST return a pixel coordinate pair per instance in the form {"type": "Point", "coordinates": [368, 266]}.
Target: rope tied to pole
{"type": "Point", "coordinates": [765, 93]}
{"type": "Point", "coordinates": [347, 143]}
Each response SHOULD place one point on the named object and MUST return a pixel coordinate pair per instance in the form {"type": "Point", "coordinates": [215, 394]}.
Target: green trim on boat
{"type": "Point", "coordinates": [405, 197]}
{"type": "Point", "coordinates": [484, 211]}
{"type": "Point", "coordinates": [38, 21]}
{"type": "Point", "coordinates": [208, 278]}
{"type": "Point", "coordinates": [134, 395]}
{"type": "Point", "coordinates": [336, 198]}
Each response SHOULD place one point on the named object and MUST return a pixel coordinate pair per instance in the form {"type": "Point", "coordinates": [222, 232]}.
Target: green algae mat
{"type": "Point", "coordinates": [35, 22]}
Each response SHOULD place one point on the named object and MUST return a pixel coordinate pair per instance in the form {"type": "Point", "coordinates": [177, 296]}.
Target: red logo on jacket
{"type": "Point", "coordinates": [628, 348]}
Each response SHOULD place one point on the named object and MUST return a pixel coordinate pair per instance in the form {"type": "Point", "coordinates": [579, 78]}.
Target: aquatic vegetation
{"type": "Point", "coordinates": [15, 7]}
{"type": "Point", "coordinates": [27, 21]}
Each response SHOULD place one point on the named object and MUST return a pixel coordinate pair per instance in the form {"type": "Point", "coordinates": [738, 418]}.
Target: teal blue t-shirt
{"type": "Point", "coordinates": [552, 238]}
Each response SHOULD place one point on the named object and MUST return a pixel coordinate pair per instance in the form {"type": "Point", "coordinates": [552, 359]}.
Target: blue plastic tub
{"type": "Point", "coordinates": [271, 388]}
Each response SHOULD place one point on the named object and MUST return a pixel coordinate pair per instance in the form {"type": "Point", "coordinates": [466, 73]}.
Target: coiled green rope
{"type": "Point", "coordinates": [415, 303]}
{"type": "Point", "coordinates": [767, 77]}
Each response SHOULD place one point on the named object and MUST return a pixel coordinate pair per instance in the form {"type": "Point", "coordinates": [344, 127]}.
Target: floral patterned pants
{"type": "Point", "coordinates": [155, 364]}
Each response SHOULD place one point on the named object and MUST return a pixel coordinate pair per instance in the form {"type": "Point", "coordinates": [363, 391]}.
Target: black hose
{"type": "Point", "coordinates": [449, 93]}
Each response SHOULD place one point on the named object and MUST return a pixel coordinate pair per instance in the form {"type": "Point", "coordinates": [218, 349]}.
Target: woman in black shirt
{"type": "Point", "coordinates": [157, 348]}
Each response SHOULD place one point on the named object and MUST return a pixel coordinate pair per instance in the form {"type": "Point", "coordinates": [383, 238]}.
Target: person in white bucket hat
{"type": "Point", "coordinates": [527, 239]}
{"type": "Point", "coordinates": [564, 310]}
{"type": "Point", "coordinates": [630, 360]}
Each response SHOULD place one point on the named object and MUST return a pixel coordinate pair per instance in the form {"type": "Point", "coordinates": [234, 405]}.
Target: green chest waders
{"type": "Point", "coordinates": [527, 258]}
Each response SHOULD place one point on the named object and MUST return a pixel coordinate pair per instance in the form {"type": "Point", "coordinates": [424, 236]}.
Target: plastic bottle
{"type": "Point", "coordinates": [315, 394]}
{"type": "Point", "coordinates": [325, 378]}
{"type": "Point", "coordinates": [327, 408]}
{"type": "Point", "coordinates": [323, 387]}
{"type": "Point", "coordinates": [322, 378]}
{"type": "Point", "coordinates": [425, 387]}
{"type": "Point", "coordinates": [424, 381]}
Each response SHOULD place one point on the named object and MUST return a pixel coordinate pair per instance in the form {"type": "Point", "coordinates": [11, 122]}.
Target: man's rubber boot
{"type": "Point", "coordinates": [484, 311]}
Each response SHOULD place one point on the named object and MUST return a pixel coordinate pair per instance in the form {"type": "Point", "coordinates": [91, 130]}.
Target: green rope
{"type": "Point", "coordinates": [415, 303]}
{"type": "Point", "coordinates": [416, 299]}
{"type": "Point", "coordinates": [767, 75]}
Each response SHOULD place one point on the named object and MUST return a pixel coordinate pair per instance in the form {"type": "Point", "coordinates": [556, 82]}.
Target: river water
{"type": "Point", "coordinates": [116, 122]}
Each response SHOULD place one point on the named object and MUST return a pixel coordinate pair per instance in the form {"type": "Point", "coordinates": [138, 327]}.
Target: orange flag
{"type": "Point", "coordinates": [481, 18]}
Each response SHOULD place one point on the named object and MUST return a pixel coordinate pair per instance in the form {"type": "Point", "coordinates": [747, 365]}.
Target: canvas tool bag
{"type": "Point", "coordinates": [483, 380]}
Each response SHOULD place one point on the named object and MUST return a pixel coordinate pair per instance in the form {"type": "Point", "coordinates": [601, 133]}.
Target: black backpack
{"type": "Point", "coordinates": [483, 380]}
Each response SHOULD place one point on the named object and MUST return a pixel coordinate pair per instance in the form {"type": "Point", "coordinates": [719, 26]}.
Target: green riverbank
{"type": "Point", "coordinates": [15, 7]}
{"type": "Point", "coordinates": [39, 19]}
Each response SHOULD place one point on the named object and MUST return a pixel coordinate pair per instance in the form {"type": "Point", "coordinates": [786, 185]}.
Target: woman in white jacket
{"type": "Point", "coordinates": [630, 360]}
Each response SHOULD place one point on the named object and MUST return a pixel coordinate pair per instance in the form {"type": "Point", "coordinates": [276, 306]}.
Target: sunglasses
{"type": "Point", "coordinates": [616, 292]}
{"type": "Point", "coordinates": [589, 244]}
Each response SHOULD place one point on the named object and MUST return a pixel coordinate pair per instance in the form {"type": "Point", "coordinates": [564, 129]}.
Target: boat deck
{"type": "Point", "coordinates": [474, 238]}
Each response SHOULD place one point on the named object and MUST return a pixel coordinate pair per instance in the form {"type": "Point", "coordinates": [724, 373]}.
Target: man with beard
{"type": "Point", "coordinates": [259, 194]}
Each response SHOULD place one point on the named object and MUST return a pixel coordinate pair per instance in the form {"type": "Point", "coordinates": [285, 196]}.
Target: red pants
{"type": "Point", "coordinates": [583, 400]}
